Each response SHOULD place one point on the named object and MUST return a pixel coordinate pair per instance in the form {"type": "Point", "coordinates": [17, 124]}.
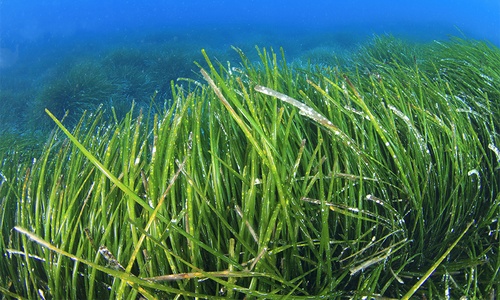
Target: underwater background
{"type": "Point", "coordinates": [74, 55]}
{"type": "Point", "coordinates": [249, 149]}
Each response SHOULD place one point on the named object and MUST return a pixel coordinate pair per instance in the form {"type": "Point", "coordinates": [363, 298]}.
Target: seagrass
{"type": "Point", "coordinates": [271, 180]}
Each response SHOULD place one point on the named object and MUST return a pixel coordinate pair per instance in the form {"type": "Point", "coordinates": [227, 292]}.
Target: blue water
{"type": "Point", "coordinates": [29, 21]}
{"type": "Point", "coordinates": [42, 40]}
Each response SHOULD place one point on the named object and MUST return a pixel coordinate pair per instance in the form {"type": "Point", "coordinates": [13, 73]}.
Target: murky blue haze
{"type": "Point", "coordinates": [41, 42]}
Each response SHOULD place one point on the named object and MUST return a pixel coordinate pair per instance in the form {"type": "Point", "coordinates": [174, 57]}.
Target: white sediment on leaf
{"type": "Point", "coordinates": [308, 112]}
{"type": "Point", "coordinates": [495, 150]}
{"type": "Point", "coordinates": [418, 136]}
{"type": "Point", "coordinates": [304, 109]}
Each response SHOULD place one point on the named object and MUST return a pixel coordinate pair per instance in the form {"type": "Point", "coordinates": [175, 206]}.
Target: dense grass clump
{"type": "Point", "coordinates": [113, 76]}
{"type": "Point", "coordinates": [83, 86]}
{"type": "Point", "coordinates": [265, 181]}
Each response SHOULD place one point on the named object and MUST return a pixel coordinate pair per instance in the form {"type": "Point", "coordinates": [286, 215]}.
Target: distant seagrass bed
{"type": "Point", "coordinates": [366, 175]}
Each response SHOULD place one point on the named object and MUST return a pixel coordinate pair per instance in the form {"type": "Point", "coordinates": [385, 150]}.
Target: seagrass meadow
{"type": "Point", "coordinates": [376, 178]}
